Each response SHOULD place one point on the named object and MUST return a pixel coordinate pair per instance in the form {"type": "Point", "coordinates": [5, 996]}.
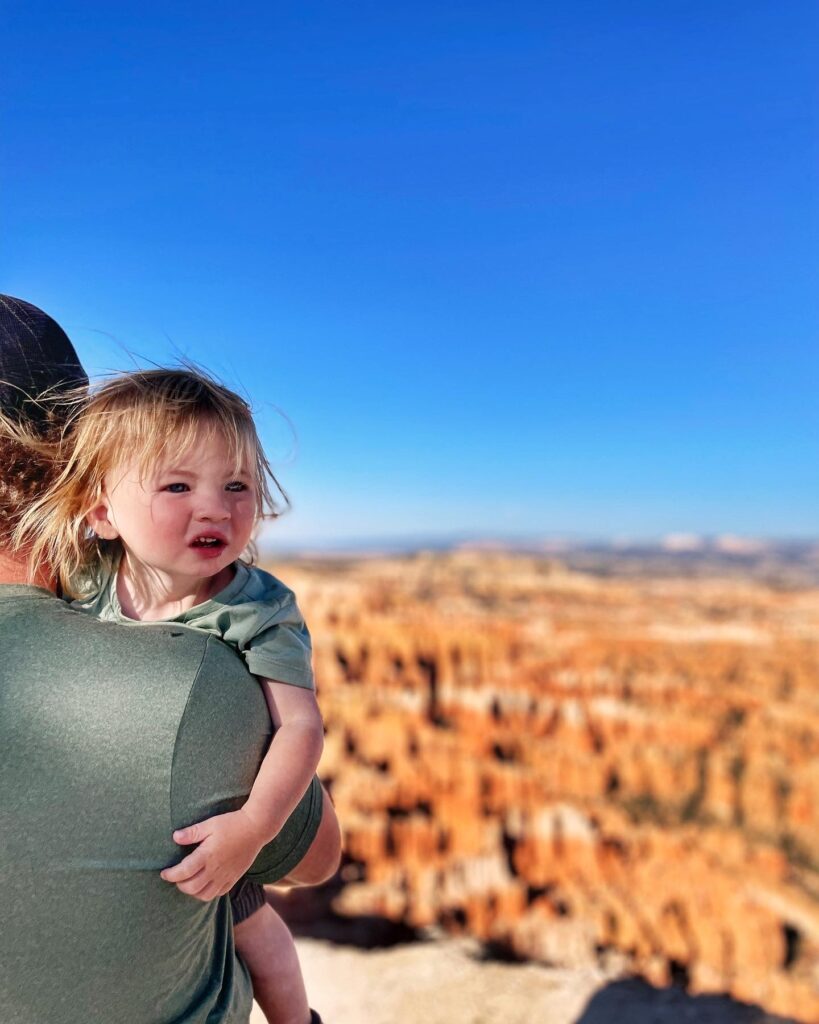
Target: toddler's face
{"type": "Point", "coordinates": [189, 517]}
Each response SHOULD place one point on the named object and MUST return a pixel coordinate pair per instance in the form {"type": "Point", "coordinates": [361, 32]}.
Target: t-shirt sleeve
{"type": "Point", "coordinates": [280, 856]}
{"type": "Point", "coordinates": [282, 649]}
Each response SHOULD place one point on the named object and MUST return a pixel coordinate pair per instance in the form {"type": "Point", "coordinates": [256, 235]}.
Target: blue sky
{"type": "Point", "coordinates": [508, 268]}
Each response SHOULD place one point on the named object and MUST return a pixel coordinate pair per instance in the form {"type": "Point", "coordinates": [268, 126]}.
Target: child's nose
{"type": "Point", "coordinates": [214, 509]}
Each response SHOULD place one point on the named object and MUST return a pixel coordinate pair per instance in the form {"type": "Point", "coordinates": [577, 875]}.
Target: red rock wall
{"type": "Point", "coordinates": [566, 765]}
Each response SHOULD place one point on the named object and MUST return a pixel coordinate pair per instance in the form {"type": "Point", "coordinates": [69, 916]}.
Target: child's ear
{"type": "Point", "coordinates": [98, 519]}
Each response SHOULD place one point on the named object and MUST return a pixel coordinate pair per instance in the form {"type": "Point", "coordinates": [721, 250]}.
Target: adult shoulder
{"type": "Point", "coordinates": [221, 739]}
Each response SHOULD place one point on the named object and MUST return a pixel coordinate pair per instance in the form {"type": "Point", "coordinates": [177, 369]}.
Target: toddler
{"type": "Point", "coordinates": [163, 484]}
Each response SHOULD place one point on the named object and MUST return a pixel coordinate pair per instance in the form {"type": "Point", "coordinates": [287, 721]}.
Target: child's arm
{"type": "Point", "coordinates": [229, 843]}
{"type": "Point", "coordinates": [292, 759]}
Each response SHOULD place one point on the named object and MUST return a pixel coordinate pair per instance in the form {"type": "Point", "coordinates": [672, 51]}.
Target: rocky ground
{"type": "Point", "coordinates": [446, 982]}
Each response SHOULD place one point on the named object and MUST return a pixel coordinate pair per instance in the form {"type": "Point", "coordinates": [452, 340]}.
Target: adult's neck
{"type": "Point", "coordinates": [15, 568]}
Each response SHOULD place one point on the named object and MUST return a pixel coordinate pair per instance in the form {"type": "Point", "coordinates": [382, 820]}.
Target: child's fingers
{"type": "Point", "coordinates": [186, 868]}
{"type": "Point", "coordinates": [210, 892]}
{"type": "Point", "coordinates": [196, 885]}
{"type": "Point", "coordinates": [192, 834]}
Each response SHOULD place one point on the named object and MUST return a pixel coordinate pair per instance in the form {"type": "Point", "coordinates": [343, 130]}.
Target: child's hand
{"type": "Point", "coordinates": [228, 844]}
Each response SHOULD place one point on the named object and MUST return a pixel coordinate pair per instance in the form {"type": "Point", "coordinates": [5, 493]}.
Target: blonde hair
{"type": "Point", "coordinates": [140, 417]}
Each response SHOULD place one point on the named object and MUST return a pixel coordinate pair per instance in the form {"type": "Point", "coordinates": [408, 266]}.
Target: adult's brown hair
{"type": "Point", "coordinates": [39, 369]}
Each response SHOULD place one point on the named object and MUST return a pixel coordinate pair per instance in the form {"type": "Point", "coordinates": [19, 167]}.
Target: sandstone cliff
{"type": "Point", "coordinates": [563, 765]}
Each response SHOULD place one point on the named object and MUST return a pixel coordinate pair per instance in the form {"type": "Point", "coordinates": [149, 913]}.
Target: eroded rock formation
{"type": "Point", "coordinates": [565, 765]}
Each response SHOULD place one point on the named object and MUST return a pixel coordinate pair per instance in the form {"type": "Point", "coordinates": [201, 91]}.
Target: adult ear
{"type": "Point", "coordinates": [99, 520]}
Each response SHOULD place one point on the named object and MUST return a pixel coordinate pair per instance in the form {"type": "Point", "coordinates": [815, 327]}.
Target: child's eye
{"type": "Point", "coordinates": [176, 488]}
{"type": "Point", "coordinates": [236, 485]}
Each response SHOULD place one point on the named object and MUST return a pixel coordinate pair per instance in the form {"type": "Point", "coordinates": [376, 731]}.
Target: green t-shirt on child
{"type": "Point", "coordinates": [255, 613]}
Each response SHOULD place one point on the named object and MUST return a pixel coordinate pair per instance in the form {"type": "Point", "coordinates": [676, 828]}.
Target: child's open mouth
{"type": "Point", "coordinates": [208, 544]}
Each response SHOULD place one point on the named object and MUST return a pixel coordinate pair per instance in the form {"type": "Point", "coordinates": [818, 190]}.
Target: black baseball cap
{"type": "Point", "coordinates": [38, 363]}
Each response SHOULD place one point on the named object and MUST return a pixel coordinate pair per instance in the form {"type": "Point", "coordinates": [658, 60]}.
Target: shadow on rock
{"type": "Point", "coordinates": [309, 914]}
{"type": "Point", "coordinates": [636, 1002]}
{"type": "Point", "coordinates": [364, 932]}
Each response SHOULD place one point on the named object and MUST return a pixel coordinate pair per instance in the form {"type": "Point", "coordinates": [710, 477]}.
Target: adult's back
{"type": "Point", "coordinates": [110, 738]}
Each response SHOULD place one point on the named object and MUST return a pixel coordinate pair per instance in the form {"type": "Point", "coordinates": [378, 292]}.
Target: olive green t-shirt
{"type": "Point", "coordinates": [255, 613]}
{"type": "Point", "coordinates": [110, 738]}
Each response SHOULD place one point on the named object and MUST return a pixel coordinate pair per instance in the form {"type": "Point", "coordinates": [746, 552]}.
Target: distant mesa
{"type": "Point", "coordinates": [681, 542]}
{"type": "Point", "coordinates": [783, 562]}
{"type": "Point", "coordinates": [730, 544]}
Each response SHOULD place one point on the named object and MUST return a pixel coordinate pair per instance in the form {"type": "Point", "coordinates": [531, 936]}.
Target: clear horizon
{"type": "Point", "coordinates": [513, 269]}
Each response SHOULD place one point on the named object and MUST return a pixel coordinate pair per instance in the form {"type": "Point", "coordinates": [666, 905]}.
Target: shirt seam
{"type": "Point", "coordinates": [208, 640]}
